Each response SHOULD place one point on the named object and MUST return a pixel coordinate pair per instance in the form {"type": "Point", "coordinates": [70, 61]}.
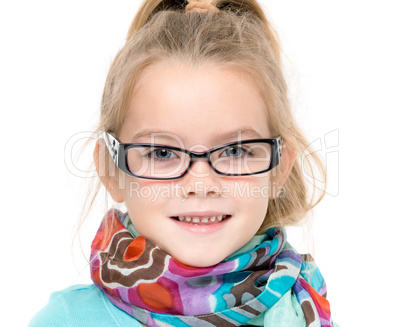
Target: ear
{"type": "Point", "coordinates": [105, 169]}
{"type": "Point", "coordinates": [285, 166]}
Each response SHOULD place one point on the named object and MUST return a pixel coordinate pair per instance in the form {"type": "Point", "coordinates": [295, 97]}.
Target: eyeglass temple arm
{"type": "Point", "coordinates": [112, 145]}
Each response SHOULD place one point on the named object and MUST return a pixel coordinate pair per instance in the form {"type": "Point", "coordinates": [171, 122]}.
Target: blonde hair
{"type": "Point", "coordinates": [240, 38]}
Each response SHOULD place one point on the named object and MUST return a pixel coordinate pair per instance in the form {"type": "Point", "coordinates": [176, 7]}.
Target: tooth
{"type": "Point", "coordinates": [219, 217]}
{"type": "Point", "coordinates": [196, 220]}
{"type": "Point", "coordinates": [204, 220]}
{"type": "Point", "coordinates": [212, 218]}
{"type": "Point", "coordinates": [188, 218]}
{"type": "Point", "coordinates": [181, 218]}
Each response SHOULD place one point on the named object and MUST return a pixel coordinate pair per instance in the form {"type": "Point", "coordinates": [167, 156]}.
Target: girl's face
{"type": "Point", "coordinates": [197, 109]}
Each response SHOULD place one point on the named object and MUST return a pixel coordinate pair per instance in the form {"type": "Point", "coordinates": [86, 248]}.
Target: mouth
{"type": "Point", "coordinates": [201, 220]}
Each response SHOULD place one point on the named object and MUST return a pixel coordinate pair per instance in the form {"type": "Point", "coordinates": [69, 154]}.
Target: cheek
{"type": "Point", "coordinates": [253, 188]}
{"type": "Point", "coordinates": [252, 198]}
{"type": "Point", "coordinates": [144, 203]}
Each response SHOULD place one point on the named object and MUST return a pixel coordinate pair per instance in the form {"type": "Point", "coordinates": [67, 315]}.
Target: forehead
{"type": "Point", "coordinates": [196, 104]}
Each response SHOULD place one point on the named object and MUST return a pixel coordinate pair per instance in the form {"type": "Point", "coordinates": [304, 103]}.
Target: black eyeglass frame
{"type": "Point", "coordinates": [118, 151]}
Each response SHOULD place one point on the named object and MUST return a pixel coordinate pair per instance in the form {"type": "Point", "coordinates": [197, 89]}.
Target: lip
{"type": "Point", "coordinates": [209, 213]}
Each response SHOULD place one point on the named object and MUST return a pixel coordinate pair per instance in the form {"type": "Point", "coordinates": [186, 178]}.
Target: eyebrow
{"type": "Point", "coordinates": [246, 131]}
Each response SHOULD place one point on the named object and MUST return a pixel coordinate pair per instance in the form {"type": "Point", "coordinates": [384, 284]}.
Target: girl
{"type": "Point", "coordinates": [198, 141]}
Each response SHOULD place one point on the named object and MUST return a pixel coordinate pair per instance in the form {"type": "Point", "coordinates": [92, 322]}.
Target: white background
{"type": "Point", "coordinates": [343, 64]}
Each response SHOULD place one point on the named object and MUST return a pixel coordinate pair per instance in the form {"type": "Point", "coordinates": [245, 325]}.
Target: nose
{"type": "Point", "coordinates": [201, 180]}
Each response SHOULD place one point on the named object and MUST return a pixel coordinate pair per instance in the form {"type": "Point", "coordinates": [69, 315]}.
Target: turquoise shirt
{"type": "Point", "coordinates": [81, 305]}
{"type": "Point", "coordinates": [87, 306]}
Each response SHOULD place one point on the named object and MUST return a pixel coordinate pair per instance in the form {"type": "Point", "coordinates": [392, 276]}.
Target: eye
{"type": "Point", "coordinates": [235, 151]}
{"type": "Point", "coordinates": [161, 154]}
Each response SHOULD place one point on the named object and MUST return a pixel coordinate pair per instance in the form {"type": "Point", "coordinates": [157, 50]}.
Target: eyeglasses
{"type": "Point", "coordinates": [163, 162]}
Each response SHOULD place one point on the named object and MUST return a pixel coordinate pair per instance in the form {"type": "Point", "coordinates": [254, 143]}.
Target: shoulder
{"type": "Point", "coordinates": [81, 305]}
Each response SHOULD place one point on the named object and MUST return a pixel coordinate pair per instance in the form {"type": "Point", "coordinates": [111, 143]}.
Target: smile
{"type": "Point", "coordinates": [202, 220]}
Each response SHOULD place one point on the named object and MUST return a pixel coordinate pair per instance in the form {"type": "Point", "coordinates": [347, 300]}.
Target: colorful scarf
{"type": "Point", "coordinates": [144, 281]}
